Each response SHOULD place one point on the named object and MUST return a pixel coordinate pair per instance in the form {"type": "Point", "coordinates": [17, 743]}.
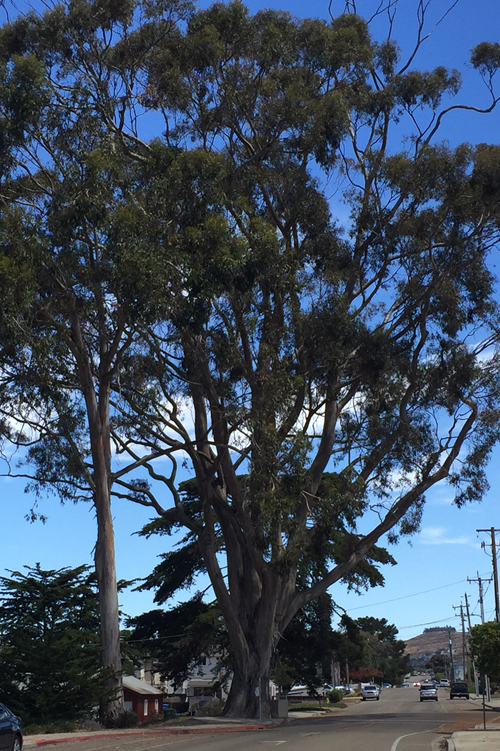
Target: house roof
{"type": "Point", "coordinates": [200, 682]}
{"type": "Point", "coordinates": [140, 687]}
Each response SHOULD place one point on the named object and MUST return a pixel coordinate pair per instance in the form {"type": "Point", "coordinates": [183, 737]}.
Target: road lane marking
{"type": "Point", "coordinates": [395, 744]}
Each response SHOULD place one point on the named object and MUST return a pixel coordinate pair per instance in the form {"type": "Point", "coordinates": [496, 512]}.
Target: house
{"type": "Point", "coordinates": [142, 698]}
{"type": "Point", "coordinates": [195, 692]}
{"type": "Point", "coordinates": [198, 689]}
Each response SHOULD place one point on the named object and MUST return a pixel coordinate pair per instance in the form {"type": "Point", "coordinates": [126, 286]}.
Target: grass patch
{"type": "Point", "coordinates": [308, 706]}
{"type": "Point", "coordinates": [58, 726]}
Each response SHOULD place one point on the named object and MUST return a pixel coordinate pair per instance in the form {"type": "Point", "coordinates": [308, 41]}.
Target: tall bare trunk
{"type": "Point", "coordinates": [112, 705]}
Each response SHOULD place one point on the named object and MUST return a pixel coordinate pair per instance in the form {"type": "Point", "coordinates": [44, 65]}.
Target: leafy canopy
{"type": "Point", "coordinates": [49, 644]}
{"type": "Point", "coordinates": [484, 644]}
{"type": "Point", "coordinates": [250, 236]}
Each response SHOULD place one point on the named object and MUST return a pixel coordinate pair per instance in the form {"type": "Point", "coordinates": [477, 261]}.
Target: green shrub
{"type": "Point", "coordinates": [214, 709]}
{"type": "Point", "coordinates": [56, 726]}
{"type": "Point", "coordinates": [153, 719]}
{"type": "Point", "coordinates": [335, 695]}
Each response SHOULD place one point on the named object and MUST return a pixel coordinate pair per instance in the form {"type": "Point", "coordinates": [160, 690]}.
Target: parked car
{"type": "Point", "coordinates": [459, 689]}
{"type": "Point", "coordinates": [370, 692]}
{"type": "Point", "coordinates": [299, 691]}
{"type": "Point", "coordinates": [444, 682]}
{"type": "Point", "coordinates": [386, 685]}
{"type": "Point", "coordinates": [428, 691]}
{"type": "Point", "coordinates": [11, 735]}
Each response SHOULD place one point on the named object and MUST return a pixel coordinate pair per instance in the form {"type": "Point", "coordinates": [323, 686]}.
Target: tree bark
{"type": "Point", "coordinates": [261, 604]}
{"type": "Point", "coordinates": [97, 404]}
{"type": "Point", "coordinates": [249, 692]}
{"type": "Point", "coordinates": [112, 704]}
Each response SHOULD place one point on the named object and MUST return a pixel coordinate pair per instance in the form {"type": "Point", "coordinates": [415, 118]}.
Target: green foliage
{"type": "Point", "coordinates": [49, 644]}
{"type": "Point", "coordinates": [335, 695]}
{"type": "Point", "coordinates": [486, 58]}
{"type": "Point", "coordinates": [212, 709]}
{"type": "Point", "coordinates": [433, 629]}
{"type": "Point", "coordinates": [484, 644]}
{"type": "Point", "coordinates": [335, 354]}
{"type": "Point", "coordinates": [438, 663]}
{"type": "Point", "coordinates": [63, 726]}
{"type": "Point", "coordinates": [180, 638]}
{"type": "Point", "coordinates": [304, 653]}
{"type": "Point", "coordinates": [127, 719]}
{"type": "Point", "coordinates": [371, 647]}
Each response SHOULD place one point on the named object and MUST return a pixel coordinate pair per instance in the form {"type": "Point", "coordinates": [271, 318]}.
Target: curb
{"type": "Point", "coordinates": [493, 707]}
{"type": "Point", "coordinates": [39, 742]}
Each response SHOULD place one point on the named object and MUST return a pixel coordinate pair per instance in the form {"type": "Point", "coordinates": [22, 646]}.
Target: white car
{"type": "Point", "coordinates": [428, 691]}
{"type": "Point", "coordinates": [370, 692]}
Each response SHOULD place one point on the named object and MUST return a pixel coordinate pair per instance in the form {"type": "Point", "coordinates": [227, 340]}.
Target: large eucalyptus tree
{"type": "Point", "coordinates": [295, 298]}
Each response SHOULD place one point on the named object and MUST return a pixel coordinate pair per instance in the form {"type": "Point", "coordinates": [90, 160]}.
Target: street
{"type": "Point", "coordinates": [397, 722]}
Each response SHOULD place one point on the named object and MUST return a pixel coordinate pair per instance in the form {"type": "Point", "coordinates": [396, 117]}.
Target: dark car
{"type": "Point", "coordinates": [459, 688]}
{"type": "Point", "coordinates": [11, 736]}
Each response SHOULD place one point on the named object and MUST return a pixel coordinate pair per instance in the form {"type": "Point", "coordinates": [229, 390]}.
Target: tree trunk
{"type": "Point", "coordinates": [262, 620]}
{"type": "Point", "coordinates": [112, 704]}
{"type": "Point", "coordinates": [249, 692]}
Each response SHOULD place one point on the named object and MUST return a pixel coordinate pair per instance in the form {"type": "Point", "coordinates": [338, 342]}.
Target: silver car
{"type": "Point", "coordinates": [370, 692]}
{"type": "Point", "coordinates": [428, 691]}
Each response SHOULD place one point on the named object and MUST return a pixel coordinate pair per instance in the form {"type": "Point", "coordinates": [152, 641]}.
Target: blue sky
{"type": "Point", "coordinates": [431, 575]}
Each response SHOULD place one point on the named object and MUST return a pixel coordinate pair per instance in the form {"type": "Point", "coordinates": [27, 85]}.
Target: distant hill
{"type": "Point", "coordinates": [432, 642]}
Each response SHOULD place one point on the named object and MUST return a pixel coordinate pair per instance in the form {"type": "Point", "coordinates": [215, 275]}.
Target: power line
{"type": "Point", "coordinates": [430, 623]}
{"type": "Point", "coordinates": [492, 531]}
{"type": "Point", "coordinates": [405, 597]}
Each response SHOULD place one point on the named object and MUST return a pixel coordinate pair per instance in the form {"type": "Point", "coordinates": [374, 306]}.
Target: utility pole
{"type": "Point", "coordinates": [492, 531]}
{"type": "Point", "coordinates": [481, 599]}
{"type": "Point", "coordinates": [464, 647]}
{"type": "Point", "coordinates": [481, 605]}
{"type": "Point", "coordinates": [476, 682]}
{"type": "Point", "coordinates": [465, 670]}
{"type": "Point", "coordinates": [451, 657]}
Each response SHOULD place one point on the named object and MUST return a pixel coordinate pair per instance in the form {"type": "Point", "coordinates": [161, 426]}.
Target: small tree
{"type": "Point", "coordinates": [49, 643]}
{"type": "Point", "coordinates": [484, 644]}
{"type": "Point", "coordinates": [382, 650]}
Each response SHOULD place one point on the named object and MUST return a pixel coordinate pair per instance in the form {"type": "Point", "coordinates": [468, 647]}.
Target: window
{"type": "Point", "coordinates": [145, 707]}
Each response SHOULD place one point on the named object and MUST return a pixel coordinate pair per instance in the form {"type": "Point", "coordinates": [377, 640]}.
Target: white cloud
{"type": "Point", "coordinates": [438, 536]}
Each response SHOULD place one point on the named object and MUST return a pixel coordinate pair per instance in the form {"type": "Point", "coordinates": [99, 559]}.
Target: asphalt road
{"type": "Point", "coordinates": [398, 722]}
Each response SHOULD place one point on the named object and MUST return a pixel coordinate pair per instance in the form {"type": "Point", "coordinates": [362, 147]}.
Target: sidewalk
{"type": "Point", "coordinates": [476, 739]}
{"type": "Point", "coordinates": [206, 725]}
{"type": "Point", "coordinates": [203, 725]}
{"type": "Point", "coordinates": [480, 739]}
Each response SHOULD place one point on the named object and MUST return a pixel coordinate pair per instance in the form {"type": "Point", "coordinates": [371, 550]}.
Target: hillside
{"type": "Point", "coordinates": [432, 642]}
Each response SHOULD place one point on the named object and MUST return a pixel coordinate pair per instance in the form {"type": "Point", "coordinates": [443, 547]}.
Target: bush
{"type": "Point", "coordinates": [128, 719]}
{"type": "Point", "coordinates": [335, 695]}
{"type": "Point", "coordinates": [213, 709]}
{"type": "Point", "coordinates": [153, 719]}
{"type": "Point", "coordinates": [61, 726]}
